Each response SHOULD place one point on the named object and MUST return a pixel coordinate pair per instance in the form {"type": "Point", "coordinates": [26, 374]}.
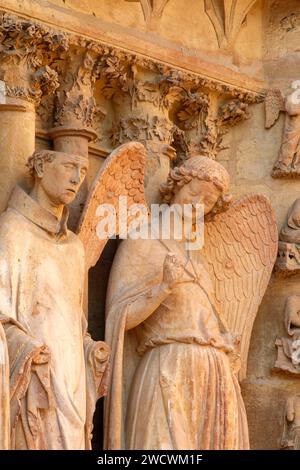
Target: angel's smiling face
{"type": "Point", "coordinates": [198, 192]}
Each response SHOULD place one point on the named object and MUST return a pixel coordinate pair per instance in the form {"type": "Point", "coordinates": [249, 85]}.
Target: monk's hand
{"type": "Point", "coordinates": [101, 353]}
{"type": "Point", "coordinates": [173, 270]}
{"type": "Point", "coordinates": [42, 356]}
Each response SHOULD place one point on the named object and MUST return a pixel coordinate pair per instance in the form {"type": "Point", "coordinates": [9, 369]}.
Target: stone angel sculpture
{"type": "Point", "coordinates": [289, 155]}
{"type": "Point", "coordinates": [55, 371]}
{"type": "Point", "coordinates": [179, 321]}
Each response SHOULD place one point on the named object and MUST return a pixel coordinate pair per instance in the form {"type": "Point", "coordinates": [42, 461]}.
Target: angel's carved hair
{"type": "Point", "coordinates": [205, 169]}
{"type": "Point", "coordinates": [38, 157]}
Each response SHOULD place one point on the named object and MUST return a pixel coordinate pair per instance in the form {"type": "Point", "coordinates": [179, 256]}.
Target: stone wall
{"type": "Point", "coordinates": [265, 391]}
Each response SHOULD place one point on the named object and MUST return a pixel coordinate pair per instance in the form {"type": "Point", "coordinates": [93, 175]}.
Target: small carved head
{"type": "Point", "coordinates": [292, 315]}
{"type": "Point", "coordinates": [199, 180]}
{"type": "Point", "coordinates": [59, 174]}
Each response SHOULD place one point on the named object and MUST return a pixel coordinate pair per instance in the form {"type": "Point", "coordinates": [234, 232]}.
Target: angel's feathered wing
{"type": "Point", "coordinates": [274, 103]}
{"type": "Point", "coordinates": [240, 248]}
{"type": "Point", "coordinates": [122, 174]}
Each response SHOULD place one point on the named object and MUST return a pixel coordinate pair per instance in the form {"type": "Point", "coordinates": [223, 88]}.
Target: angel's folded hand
{"type": "Point", "coordinates": [101, 354]}
{"type": "Point", "coordinates": [42, 356]}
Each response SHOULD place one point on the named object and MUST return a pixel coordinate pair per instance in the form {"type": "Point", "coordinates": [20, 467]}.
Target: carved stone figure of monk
{"type": "Point", "coordinates": [179, 320]}
{"type": "Point", "coordinates": [56, 371]}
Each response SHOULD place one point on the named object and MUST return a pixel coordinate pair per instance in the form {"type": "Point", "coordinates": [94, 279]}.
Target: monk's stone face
{"type": "Point", "coordinates": [62, 177]}
{"type": "Point", "coordinates": [198, 192]}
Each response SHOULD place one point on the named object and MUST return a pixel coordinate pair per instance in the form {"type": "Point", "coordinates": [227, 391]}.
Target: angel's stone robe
{"type": "Point", "coordinates": [172, 384]}
{"type": "Point", "coordinates": [41, 283]}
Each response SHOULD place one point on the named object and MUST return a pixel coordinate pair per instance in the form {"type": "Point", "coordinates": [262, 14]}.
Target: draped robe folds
{"type": "Point", "coordinates": [4, 393]}
{"type": "Point", "coordinates": [171, 385]}
{"type": "Point", "coordinates": [41, 281]}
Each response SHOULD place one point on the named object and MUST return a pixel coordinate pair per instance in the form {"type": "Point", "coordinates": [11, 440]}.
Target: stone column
{"type": "Point", "coordinates": [26, 47]}
{"type": "Point", "coordinates": [75, 108]}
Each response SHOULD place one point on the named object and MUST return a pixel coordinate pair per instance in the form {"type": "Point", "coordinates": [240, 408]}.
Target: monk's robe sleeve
{"type": "Point", "coordinates": [142, 306]}
{"type": "Point", "coordinates": [29, 375]}
{"type": "Point", "coordinates": [96, 355]}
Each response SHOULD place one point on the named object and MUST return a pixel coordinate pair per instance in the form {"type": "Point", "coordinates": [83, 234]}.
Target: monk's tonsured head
{"type": "Point", "coordinates": [60, 174]}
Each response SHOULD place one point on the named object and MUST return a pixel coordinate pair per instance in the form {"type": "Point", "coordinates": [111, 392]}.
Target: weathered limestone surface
{"type": "Point", "coordinates": [180, 77]}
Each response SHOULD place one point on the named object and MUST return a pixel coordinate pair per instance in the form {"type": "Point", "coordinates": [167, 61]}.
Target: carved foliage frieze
{"type": "Point", "coordinates": [178, 97]}
{"type": "Point", "coordinates": [29, 53]}
{"type": "Point", "coordinates": [152, 102]}
{"type": "Point", "coordinates": [204, 124]}
{"type": "Point", "coordinates": [75, 102]}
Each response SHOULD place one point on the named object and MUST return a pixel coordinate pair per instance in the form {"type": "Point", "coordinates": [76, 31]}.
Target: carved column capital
{"type": "Point", "coordinates": [140, 95]}
{"type": "Point", "coordinates": [204, 119]}
{"type": "Point", "coordinates": [216, 126]}
{"type": "Point", "coordinates": [75, 102]}
{"type": "Point", "coordinates": [27, 51]}
{"type": "Point", "coordinates": [139, 92]}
